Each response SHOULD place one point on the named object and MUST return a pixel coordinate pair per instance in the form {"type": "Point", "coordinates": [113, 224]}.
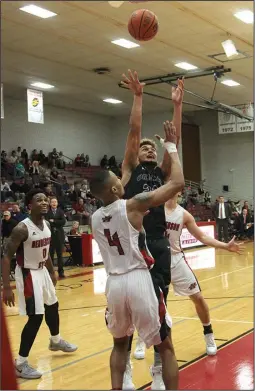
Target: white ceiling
{"type": "Point", "coordinates": [64, 49]}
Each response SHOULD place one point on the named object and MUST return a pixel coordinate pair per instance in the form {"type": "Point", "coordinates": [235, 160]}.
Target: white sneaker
{"type": "Point", "coordinates": [25, 371]}
{"type": "Point", "coordinates": [211, 347]}
{"type": "Point", "coordinates": [139, 352]}
{"type": "Point", "coordinates": [127, 379]}
{"type": "Point", "coordinates": [157, 382]}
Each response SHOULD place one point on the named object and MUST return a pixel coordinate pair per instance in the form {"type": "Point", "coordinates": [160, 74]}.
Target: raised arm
{"type": "Point", "coordinates": [134, 135]}
{"type": "Point", "coordinates": [177, 98]}
{"type": "Point", "coordinates": [19, 234]}
{"type": "Point", "coordinates": [144, 201]}
{"type": "Point", "coordinates": [192, 227]}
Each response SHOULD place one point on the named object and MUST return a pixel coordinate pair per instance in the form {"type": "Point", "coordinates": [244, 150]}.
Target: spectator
{"type": "Point", "coordinates": [57, 220]}
{"type": "Point", "coordinates": [112, 162]}
{"type": "Point", "coordinates": [87, 162]}
{"type": "Point", "coordinates": [246, 206]}
{"type": "Point", "coordinates": [80, 212]}
{"type": "Point", "coordinates": [8, 224]}
{"type": "Point", "coordinates": [75, 228]}
{"type": "Point", "coordinates": [19, 152]}
{"type": "Point", "coordinates": [48, 190]}
{"type": "Point", "coordinates": [90, 206]}
{"type": "Point", "coordinates": [12, 159]}
{"type": "Point", "coordinates": [54, 174]}
{"type": "Point", "coordinates": [222, 214]}
{"type": "Point", "coordinates": [82, 160]}
{"type": "Point", "coordinates": [84, 190]}
{"type": "Point", "coordinates": [77, 161]}
{"type": "Point", "coordinates": [34, 172]}
{"type": "Point", "coordinates": [5, 189]}
{"type": "Point", "coordinates": [75, 192]}
{"type": "Point", "coordinates": [53, 156]}
{"type": "Point", "coordinates": [41, 157]}
{"type": "Point", "coordinates": [4, 161]}
{"type": "Point", "coordinates": [244, 225]}
{"type": "Point", "coordinates": [17, 214]}
{"type": "Point", "coordinates": [65, 184]}
{"type": "Point", "coordinates": [207, 199]}
{"type": "Point", "coordinates": [34, 155]}
{"type": "Point", "coordinates": [60, 161]}
{"type": "Point", "coordinates": [24, 157]}
{"type": "Point", "coordinates": [19, 171]}
{"type": "Point", "coordinates": [104, 162]}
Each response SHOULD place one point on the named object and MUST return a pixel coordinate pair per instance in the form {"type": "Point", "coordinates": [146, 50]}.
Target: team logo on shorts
{"type": "Point", "coordinates": [192, 286]}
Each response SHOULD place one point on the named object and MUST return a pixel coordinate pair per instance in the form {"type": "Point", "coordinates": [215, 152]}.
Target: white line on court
{"type": "Point", "coordinates": [233, 271]}
{"type": "Point", "coordinates": [213, 320]}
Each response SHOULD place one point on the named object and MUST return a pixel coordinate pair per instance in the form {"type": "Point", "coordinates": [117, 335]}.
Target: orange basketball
{"type": "Point", "coordinates": [143, 25]}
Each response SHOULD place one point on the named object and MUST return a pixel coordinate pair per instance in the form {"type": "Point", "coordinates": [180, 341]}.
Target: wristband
{"type": "Point", "coordinates": [170, 147]}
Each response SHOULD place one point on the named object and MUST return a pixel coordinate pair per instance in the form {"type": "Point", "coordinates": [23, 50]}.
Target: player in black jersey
{"type": "Point", "coordinates": [141, 172]}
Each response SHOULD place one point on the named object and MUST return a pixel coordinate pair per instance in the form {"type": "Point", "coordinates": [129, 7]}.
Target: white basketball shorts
{"type": "Point", "coordinates": [182, 277]}
{"type": "Point", "coordinates": [132, 303]}
{"type": "Point", "coordinates": [34, 289]}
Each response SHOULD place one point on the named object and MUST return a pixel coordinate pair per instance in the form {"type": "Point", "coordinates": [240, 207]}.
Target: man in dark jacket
{"type": "Point", "coordinates": [222, 213]}
{"type": "Point", "coordinates": [57, 220]}
{"type": "Point", "coordinates": [8, 224]}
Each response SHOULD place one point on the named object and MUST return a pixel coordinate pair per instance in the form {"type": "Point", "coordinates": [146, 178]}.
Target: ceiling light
{"type": "Point", "coordinates": [38, 11]}
{"type": "Point", "coordinates": [125, 43]}
{"type": "Point", "coordinates": [113, 101]}
{"type": "Point", "coordinates": [229, 48]}
{"type": "Point", "coordinates": [230, 83]}
{"type": "Point", "coordinates": [42, 85]}
{"type": "Point", "coordinates": [186, 66]}
{"type": "Point", "coordinates": [245, 16]}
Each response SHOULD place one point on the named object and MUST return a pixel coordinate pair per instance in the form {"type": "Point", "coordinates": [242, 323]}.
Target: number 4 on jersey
{"type": "Point", "coordinates": [113, 241]}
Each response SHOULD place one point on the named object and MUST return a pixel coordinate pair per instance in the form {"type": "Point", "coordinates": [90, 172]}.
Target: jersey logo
{"type": "Point", "coordinates": [173, 226]}
{"type": "Point", "coordinates": [192, 286]}
{"type": "Point", "coordinates": [107, 219]}
{"type": "Point", "coordinates": [33, 233]}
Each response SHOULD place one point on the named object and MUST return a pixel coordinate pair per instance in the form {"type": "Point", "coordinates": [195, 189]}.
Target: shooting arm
{"type": "Point", "coordinates": [144, 201]}
{"type": "Point", "coordinates": [133, 140]}
{"type": "Point", "coordinates": [18, 235]}
{"type": "Point", "coordinates": [192, 227]}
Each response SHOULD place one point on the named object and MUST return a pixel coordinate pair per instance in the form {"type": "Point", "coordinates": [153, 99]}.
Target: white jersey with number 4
{"type": "Point", "coordinates": [174, 223]}
{"type": "Point", "coordinates": [122, 247]}
{"type": "Point", "coordinates": [33, 252]}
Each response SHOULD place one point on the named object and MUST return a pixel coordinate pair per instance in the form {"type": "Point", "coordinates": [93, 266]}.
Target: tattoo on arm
{"type": "Point", "coordinates": [18, 235]}
{"type": "Point", "coordinates": [143, 197]}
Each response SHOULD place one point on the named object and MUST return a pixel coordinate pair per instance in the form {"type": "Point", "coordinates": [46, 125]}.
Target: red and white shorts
{"type": "Point", "coordinates": [183, 279]}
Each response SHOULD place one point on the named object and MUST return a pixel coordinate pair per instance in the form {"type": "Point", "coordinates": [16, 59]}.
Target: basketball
{"type": "Point", "coordinates": [143, 25]}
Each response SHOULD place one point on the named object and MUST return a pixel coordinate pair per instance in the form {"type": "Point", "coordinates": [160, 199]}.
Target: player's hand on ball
{"type": "Point", "coordinates": [8, 297]}
{"type": "Point", "coordinates": [235, 247]}
{"type": "Point", "coordinates": [132, 82]}
{"type": "Point", "coordinates": [178, 92]}
{"type": "Point", "coordinates": [53, 278]}
{"type": "Point", "coordinates": [170, 133]}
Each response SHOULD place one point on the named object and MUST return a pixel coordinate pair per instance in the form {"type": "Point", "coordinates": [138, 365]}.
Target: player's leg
{"type": "Point", "coordinates": [52, 316]}
{"type": "Point", "coordinates": [185, 284]}
{"type": "Point", "coordinates": [28, 305]}
{"type": "Point", "coordinates": [118, 362]}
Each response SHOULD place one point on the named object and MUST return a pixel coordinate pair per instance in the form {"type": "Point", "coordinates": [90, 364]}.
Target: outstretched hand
{"type": "Point", "coordinates": [170, 133]}
{"type": "Point", "coordinates": [178, 92]}
{"type": "Point", "coordinates": [132, 82]}
{"type": "Point", "coordinates": [235, 247]}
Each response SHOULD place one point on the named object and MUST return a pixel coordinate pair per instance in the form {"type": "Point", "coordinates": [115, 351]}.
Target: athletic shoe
{"type": "Point", "coordinates": [157, 382]}
{"type": "Point", "coordinates": [62, 345]}
{"type": "Point", "coordinates": [127, 379]}
{"type": "Point", "coordinates": [139, 352]}
{"type": "Point", "coordinates": [211, 347]}
{"type": "Point", "coordinates": [25, 371]}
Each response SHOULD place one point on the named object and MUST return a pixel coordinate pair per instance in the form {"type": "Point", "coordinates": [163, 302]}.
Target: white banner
{"type": "Point", "coordinates": [243, 125]}
{"type": "Point", "coordinates": [188, 241]}
{"type": "Point", "coordinates": [35, 106]}
{"type": "Point", "coordinates": [2, 101]}
{"type": "Point", "coordinates": [227, 123]}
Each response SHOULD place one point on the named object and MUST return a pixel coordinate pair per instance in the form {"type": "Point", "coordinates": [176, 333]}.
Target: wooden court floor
{"type": "Point", "coordinates": [226, 280]}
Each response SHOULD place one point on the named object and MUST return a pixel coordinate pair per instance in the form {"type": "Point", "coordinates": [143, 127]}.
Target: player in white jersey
{"type": "Point", "coordinates": [134, 299]}
{"type": "Point", "coordinates": [35, 282]}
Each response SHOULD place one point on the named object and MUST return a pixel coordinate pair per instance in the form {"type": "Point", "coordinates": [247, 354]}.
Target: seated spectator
{"type": "Point", "coordinates": [87, 162]}
{"type": "Point", "coordinates": [79, 212]}
{"type": "Point", "coordinates": [8, 224]}
{"type": "Point", "coordinates": [34, 172]}
{"type": "Point", "coordinates": [19, 152]}
{"type": "Point", "coordinates": [53, 156]}
{"type": "Point", "coordinates": [21, 186]}
{"type": "Point", "coordinates": [112, 162]}
{"type": "Point", "coordinates": [34, 155]}
{"type": "Point", "coordinates": [77, 161]}
{"type": "Point", "coordinates": [75, 228]}
{"type": "Point", "coordinates": [54, 174]}
{"type": "Point", "coordinates": [207, 199]}
{"type": "Point", "coordinates": [19, 171]}
{"type": "Point", "coordinates": [104, 162]}
{"type": "Point", "coordinates": [246, 206]}
{"type": "Point", "coordinates": [244, 225]}
{"type": "Point", "coordinates": [4, 161]}
{"type": "Point", "coordinates": [82, 160]}
{"type": "Point", "coordinates": [90, 206]}
{"type": "Point", "coordinates": [12, 159]}
{"type": "Point", "coordinates": [24, 157]}
{"type": "Point", "coordinates": [17, 214]}
{"type": "Point", "coordinates": [65, 184]}
{"type": "Point", "coordinates": [41, 157]}
{"type": "Point", "coordinates": [47, 187]}
{"type": "Point", "coordinates": [6, 191]}
{"type": "Point", "coordinates": [60, 163]}
{"type": "Point", "coordinates": [75, 193]}
{"type": "Point", "coordinates": [84, 189]}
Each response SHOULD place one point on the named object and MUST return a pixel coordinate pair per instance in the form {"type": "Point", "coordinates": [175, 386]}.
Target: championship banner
{"type": "Point", "coordinates": [35, 106]}
{"type": "Point", "coordinates": [2, 101]}
{"type": "Point", "coordinates": [227, 123]}
{"type": "Point", "coordinates": [242, 124]}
